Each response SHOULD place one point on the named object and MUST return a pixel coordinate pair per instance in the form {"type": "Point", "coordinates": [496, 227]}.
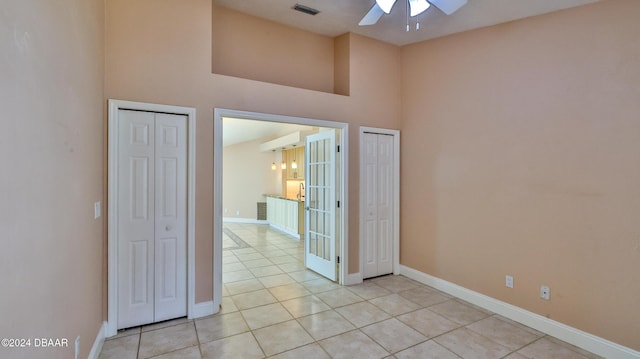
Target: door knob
{"type": "Point", "coordinates": [168, 227]}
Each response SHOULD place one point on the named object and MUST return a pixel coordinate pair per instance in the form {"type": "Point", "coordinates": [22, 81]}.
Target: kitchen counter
{"type": "Point", "coordinates": [286, 214]}
{"type": "Point", "coordinates": [279, 196]}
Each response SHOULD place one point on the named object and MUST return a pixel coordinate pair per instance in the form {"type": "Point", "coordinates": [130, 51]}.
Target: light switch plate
{"type": "Point", "coordinates": [96, 210]}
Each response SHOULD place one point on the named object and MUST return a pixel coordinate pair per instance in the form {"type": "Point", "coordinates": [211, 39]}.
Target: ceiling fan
{"type": "Point", "coordinates": [416, 7]}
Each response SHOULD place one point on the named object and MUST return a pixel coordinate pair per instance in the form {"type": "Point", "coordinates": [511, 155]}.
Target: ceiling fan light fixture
{"type": "Point", "coordinates": [418, 6]}
{"type": "Point", "coordinates": [386, 5]}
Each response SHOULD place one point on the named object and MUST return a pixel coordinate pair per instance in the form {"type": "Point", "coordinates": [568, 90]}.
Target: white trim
{"type": "Point", "coordinates": [218, 114]}
{"type": "Point", "coordinates": [205, 309]}
{"type": "Point", "coordinates": [396, 195]}
{"type": "Point", "coordinates": [284, 230]}
{"type": "Point", "coordinates": [217, 210]}
{"type": "Point", "coordinates": [584, 340]}
{"type": "Point", "coordinates": [342, 196]}
{"type": "Point", "coordinates": [244, 220]}
{"type": "Point", "coordinates": [112, 282]}
{"type": "Point", "coordinates": [96, 348]}
{"type": "Point", "coordinates": [353, 279]}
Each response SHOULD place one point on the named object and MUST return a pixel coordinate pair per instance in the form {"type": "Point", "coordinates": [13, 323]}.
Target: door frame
{"type": "Point", "coordinates": [343, 177]}
{"type": "Point", "coordinates": [112, 282]}
{"type": "Point", "coordinates": [396, 194]}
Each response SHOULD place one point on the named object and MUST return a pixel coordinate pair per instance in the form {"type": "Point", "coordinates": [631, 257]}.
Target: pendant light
{"type": "Point", "coordinates": [294, 165]}
{"type": "Point", "coordinates": [273, 165]}
{"type": "Point", "coordinates": [283, 165]}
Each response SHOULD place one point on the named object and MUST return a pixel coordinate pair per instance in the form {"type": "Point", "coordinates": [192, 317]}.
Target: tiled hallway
{"type": "Point", "coordinates": [273, 307]}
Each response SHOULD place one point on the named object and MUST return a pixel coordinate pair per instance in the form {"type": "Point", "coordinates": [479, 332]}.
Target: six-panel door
{"type": "Point", "coordinates": [152, 187]}
{"type": "Point", "coordinates": [378, 210]}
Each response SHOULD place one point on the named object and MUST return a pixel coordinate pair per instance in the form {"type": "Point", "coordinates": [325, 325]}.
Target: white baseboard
{"type": "Point", "coordinates": [352, 279]}
{"type": "Point", "coordinates": [98, 342]}
{"type": "Point", "coordinates": [281, 229]}
{"type": "Point", "coordinates": [204, 309]}
{"type": "Point", "coordinates": [243, 220]}
{"type": "Point", "coordinates": [584, 340]}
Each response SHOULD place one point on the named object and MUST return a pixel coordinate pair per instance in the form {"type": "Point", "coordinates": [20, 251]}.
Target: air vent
{"type": "Point", "coordinates": [305, 9]}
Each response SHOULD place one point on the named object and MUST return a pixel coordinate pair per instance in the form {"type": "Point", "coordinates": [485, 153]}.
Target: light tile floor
{"type": "Point", "coordinates": [273, 307]}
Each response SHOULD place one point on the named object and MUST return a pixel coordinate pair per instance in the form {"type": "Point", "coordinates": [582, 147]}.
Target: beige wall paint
{"type": "Point", "coordinates": [160, 51]}
{"type": "Point", "coordinates": [519, 152]}
{"type": "Point", "coordinates": [51, 140]}
{"type": "Point", "coordinates": [247, 176]}
{"type": "Point", "coordinates": [282, 55]}
{"type": "Point", "coordinates": [341, 73]}
{"type": "Point", "coordinates": [520, 156]}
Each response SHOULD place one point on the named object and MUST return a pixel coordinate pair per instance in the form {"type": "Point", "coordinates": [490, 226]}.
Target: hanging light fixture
{"type": "Point", "coordinates": [294, 165]}
{"type": "Point", "coordinates": [273, 164]}
{"type": "Point", "coordinates": [283, 165]}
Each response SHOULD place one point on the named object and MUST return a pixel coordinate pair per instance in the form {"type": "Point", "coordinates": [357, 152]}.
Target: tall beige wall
{"type": "Point", "coordinates": [520, 156]}
{"type": "Point", "coordinates": [159, 51]}
{"type": "Point", "coordinates": [51, 141]}
{"type": "Point", "coordinates": [247, 176]}
{"type": "Point", "coordinates": [282, 55]}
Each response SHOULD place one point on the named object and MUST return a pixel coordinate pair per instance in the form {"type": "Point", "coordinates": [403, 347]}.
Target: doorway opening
{"type": "Point", "coordinates": [226, 216]}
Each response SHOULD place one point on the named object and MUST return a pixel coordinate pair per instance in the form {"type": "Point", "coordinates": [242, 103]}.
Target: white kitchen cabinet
{"type": "Point", "coordinates": [283, 214]}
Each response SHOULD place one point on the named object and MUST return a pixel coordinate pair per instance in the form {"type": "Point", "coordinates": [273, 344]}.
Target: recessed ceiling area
{"type": "Point", "coordinates": [337, 17]}
{"type": "Point", "coordinates": [238, 130]}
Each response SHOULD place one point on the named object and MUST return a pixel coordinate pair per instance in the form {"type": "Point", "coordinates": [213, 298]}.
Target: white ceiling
{"type": "Point", "coordinates": [237, 130]}
{"type": "Point", "coordinates": [337, 17]}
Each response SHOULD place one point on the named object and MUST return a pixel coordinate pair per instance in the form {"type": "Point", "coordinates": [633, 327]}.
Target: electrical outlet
{"type": "Point", "coordinates": [237, 213]}
{"type": "Point", "coordinates": [509, 281]}
{"type": "Point", "coordinates": [545, 292]}
{"type": "Point", "coordinates": [77, 350]}
{"type": "Point", "coordinates": [96, 210]}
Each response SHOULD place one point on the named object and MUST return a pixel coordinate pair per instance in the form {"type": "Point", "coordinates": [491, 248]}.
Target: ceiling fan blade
{"type": "Point", "coordinates": [372, 16]}
{"type": "Point", "coordinates": [448, 6]}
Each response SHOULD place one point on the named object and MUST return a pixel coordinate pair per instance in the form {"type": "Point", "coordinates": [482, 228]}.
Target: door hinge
{"type": "Point", "coordinates": [338, 204]}
{"type": "Point", "coordinates": [338, 148]}
{"type": "Point", "coordinates": [338, 260]}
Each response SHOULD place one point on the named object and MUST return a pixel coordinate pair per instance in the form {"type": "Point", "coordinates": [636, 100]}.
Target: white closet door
{"type": "Point", "coordinates": [385, 204]}
{"type": "Point", "coordinates": [170, 216]}
{"type": "Point", "coordinates": [378, 198]}
{"type": "Point", "coordinates": [136, 218]}
{"type": "Point", "coordinates": [152, 186]}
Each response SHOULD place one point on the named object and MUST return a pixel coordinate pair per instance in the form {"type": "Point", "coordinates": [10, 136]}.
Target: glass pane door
{"type": "Point", "coordinates": [320, 204]}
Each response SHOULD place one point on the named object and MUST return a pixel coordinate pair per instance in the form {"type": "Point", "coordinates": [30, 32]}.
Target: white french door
{"type": "Point", "coordinates": [152, 213]}
{"type": "Point", "coordinates": [378, 203]}
{"type": "Point", "coordinates": [320, 204]}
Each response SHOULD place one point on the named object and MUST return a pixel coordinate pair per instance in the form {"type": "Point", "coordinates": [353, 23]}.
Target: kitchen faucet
{"type": "Point", "coordinates": [300, 189]}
